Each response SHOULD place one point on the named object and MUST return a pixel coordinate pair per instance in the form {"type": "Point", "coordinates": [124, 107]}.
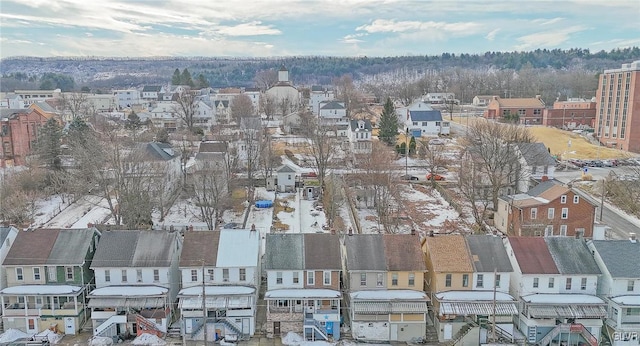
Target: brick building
{"type": "Point", "coordinates": [618, 107]}
{"type": "Point", "coordinates": [529, 110]}
{"type": "Point", "coordinates": [548, 209]}
{"type": "Point", "coordinates": [18, 133]}
{"type": "Point", "coordinates": [571, 114]}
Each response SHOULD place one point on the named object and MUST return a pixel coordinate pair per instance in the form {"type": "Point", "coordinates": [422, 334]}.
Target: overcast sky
{"type": "Point", "coordinates": [310, 27]}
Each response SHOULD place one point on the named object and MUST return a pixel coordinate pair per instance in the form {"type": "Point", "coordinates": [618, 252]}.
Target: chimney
{"type": "Point", "coordinates": [538, 96]}
{"type": "Point", "coordinates": [579, 234]}
{"type": "Point", "coordinates": [431, 233]}
{"type": "Point", "coordinates": [350, 231]}
{"type": "Point", "coordinates": [494, 97]}
{"type": "Point", "coordinates": [253, 227]}
{"type": "Point", "coordinates": [413, 231]}
{"type": "Point", "coordinates": [632, 237]}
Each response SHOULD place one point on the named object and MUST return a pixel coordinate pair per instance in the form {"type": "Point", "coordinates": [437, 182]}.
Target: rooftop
{"type": "Point", "coordinates": [620, 257]}
{"type": "Point", "coordinates": [448, 253]}
{"type": "Point", "coordinates": [533, 255]}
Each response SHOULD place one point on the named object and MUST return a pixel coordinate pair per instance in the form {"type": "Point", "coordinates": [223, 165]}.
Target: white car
{"type": "Point", "coordinates": [436, 141]}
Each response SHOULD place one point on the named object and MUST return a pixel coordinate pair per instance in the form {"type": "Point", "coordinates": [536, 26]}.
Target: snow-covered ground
{"type": "Point", "coordinates": [88, 209]}
{"type": "Point", "coordinates": [47, 209]}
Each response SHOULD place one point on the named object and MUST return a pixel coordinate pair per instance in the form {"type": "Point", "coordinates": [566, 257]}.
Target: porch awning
{"type": "Point", "coordinates": [566, 311]}
{"type": "Point", "coordinates": [389, 307]}
{"type": "Point", "coordinates": [231, 302]}
{"type": "Point", "coordinates": [470, 308]}
{"type": "Point", "coordinates": [136, 303]}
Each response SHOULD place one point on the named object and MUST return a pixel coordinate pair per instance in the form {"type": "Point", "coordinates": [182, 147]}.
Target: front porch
{"type": "Point", "coordinates": [623, 320]}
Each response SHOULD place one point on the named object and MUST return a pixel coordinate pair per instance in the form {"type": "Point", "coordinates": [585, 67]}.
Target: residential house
{"type": "Point", "coordinates": [286, 179]}
{"type": "Point", "coordinates": [225, 266]}
{"type": "Point", "coordinates": [127, 98]}
{"type": "Point", "coordinates": [101, 102]}
{"type": "Point", "coordinates": [254, 95]}
{"type": "Point", "coordinates": [548, 209]}
{"type": "Point", "coordinates": [164, 115]}
{"type": "Point", "coordinates": [439, 98]}
{"type": "Point", "coordinates": [535, 164]}
{"type": "Point", "coordinates": [11, 101]}
{"type": "Point", "coordinates": [528, 111]}
{"type": "Point", "coordinates": [333, 113]}
{"type": "Point", "coordinates": [7, 238]}
{"type": "Point", "coordinates": [318, 95]}
{"type": "Point", "coordinates": [48, 278]}
{"type": "Point", "coordinates": [360, 137]}
{"type": "Point", "coordinates": [204, 113]}
{"type": "Point", "coordinates": [19, 133]}
{"type": "Point", "coordinates": [283, 92]}
{"type": "Point", "coordinates": [574, 113]}
{"type": "Point", "coordinates": [619, 286]}
{"type": "Point", "coordinates": [386, 276]}
{"type": "Point", "coordinates": [221, 111]}
{"type": "Point", "coordinates": [555, 280]}
{"type": "Point", "coordinates": [151, 92]}
{"type": "Point", "coordinates": [463, 273]}
{"type": "Point", "coordinates": [481, 100]}
{"type": "Point", "coordinates": [137, 282]}
{"type": "Point", "coordinates": [422, 120]}
{"type": "Point", "coordinates": [303, 285]}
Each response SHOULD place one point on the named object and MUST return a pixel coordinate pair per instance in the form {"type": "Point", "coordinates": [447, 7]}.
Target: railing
{"type": "Point", "coordinates": [569, 328]}
{"type": "Point", "coordinates": [108, 327]}
{"type": "Point", "coordinates": [462, 332]}
{"type": "Point", "coordinates": [316, 328]}
{"type": "Point", "coordinates": [197, 329]}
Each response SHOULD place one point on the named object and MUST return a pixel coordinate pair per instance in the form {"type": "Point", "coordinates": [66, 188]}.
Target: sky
{"type": "Point", "coordinates": [260, 28]}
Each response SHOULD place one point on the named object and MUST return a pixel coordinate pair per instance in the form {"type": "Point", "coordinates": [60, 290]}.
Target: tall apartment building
{"type": "Point", "coordinates": [618, 107]}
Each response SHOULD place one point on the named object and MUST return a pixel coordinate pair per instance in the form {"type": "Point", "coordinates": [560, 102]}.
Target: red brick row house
{"type": "Point", "coordinates": [18, 133]}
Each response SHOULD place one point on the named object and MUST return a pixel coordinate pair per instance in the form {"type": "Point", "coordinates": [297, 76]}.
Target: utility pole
{"type": "Point", "coordinates": [602, 199]}
{"type": "Point", "coordinates": [406, 153]}
{"type": "Point", "coordinates": [204, 305]}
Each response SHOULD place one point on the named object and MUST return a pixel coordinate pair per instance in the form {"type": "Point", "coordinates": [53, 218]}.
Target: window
{"type": "Point", "coordinates": [194, 275]}
{"type": "Point", "coordinates": [68, 273]}
{"type": "Point", "coordinates": [279, 278]}
{"type": "Point", "coordinates": [633, 311]}
{"type": "Point", "coordinates": [567, 285]}
{"type": "Point", "coordinates": [225, 275]}
{"type": "Point", "coordinates": [36, 274]}
{"type": "Point", "coordinates": [465, 280]}
{"type": "Point", "coordinates": [363, 279]}
{"type": "Point", "coordinates": [138, 275]}
{"type": "Point", "coordinates": [480, 280]}
{"type": "Point", "coordinates": [243, 274]}
{"type": "Point", "coordinates": [537, 111]}
{"type": "Point", "coordinates": [534, 213]}
{"type": "Point", "coordinates": [583, 284]}
{"type": "Point", "coordinates": [156, 275]}
{"type": "Point", "coordinates": [550, 213]}
{"type": "Point", "coordinates": [563, 230]}
{"type": "Point", "coordinates": [107, 275]}
{"type": "Point", "coordinates": [447, 280]}
{"type": "Point", "coordinates": [565, 213]}
{"type": "Point", "coordinates": [379, 279]}
{"type": "Point", "coordinates": [52, 274]}
{"type": "Point", "coordinates": [326, 275]}
{"type": "Point", "coordinates": [412, 279]}
{"type": "Point", "coordinates": [497, 280]}
{"type": "Point", "coordinates": [630, 285]}
{"type": "Point", "coordinates": [548, 231]}
{"type": "Point", "coordinates": [563, 199]}
{"type": "Point", "coordinates": [576, 199]}
{"type": "Point", "coordinates": [394, 279]}
{"type": "Point", "coordinates": [296, 277]}
{"type": "Point", "coordinates": [536, 282]}
{"type": "Point", "coordinates": [124, 275]}
{"type": "Point", "coordinates": [311, 278]}
{"type": "Point", "coordinates": [551, 282]}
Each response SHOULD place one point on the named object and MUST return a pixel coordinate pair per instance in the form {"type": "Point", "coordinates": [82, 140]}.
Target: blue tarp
{"type": "Point", "coordinates": [264, 204]}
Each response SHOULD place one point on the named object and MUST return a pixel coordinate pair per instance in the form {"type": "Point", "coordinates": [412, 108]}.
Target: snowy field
{"type": "Point", "coordinates": [88, 209]}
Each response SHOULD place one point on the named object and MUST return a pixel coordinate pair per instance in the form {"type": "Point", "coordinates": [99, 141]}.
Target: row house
{"type": "Point", "coordinates": [574, 113]}
{"type": "Point", "coordinates": [137, 280]}
{"type": "Point", "coordinates": [619, 286]}
{"type": "Point", "coordinates": [422, 120]}
{"type": "Point", "coordinates": [303, 294]}
{"type": "Point", "coordinates": [527, 110]}
{"type": "Point", "coordinates": [555, 280]}
{"type": "Point", "coordinates": [223, 268]}
{"type": "Point", "coordinates": [7, 238]}
{"type": "Point", "coordinates": [385, 281]}
{"type": "Point", "coordinates": [549, 209]}
{"type": "Point", "coordinates": [47, 279]}
{"type": "Point", "coordinates": [19, 129]}
{"type": "Point", "coordinates": [465, 276]}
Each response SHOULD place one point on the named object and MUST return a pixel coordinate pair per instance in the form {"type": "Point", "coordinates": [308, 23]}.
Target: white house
{"type": "Point", "coordinates": [438, 98]}
{"type": "Point", "coordinates": [360, 136]}
{"type": "Point", "coordinates": [619, 286]}
{"type": "Point", "coordinates": [204, 116]}
{"type": "Point", "coordinates": [11, 101]}
{"type": "Point", "coordinates": [151, 92]}
{"type": "Point", "coordinates": [422, 120]}
{"type": "Point", "coordinates": [550, 273]}
{"type": "Point", "coordinates": [254, 95]}
{"type": "Point", "coordinates": [226, 265]}
{"type": "Point", "coordinates": [163, 114]}
{"type": "Point", "coordinates": [137, 280]}
{"type": "Point", "coordinates": [318, 95]}
{"type": "Point", "coordinates": [286, 179]}
{"type": "Point", "coordinates": [333, 113]}
{"type": "Point", "coordinates": [284, 91]}
{"type": "Point", "coordinates": [127, 98]}
{"type": "Point", "coordinates": [536, 163]}
{"type": "Point", "coordinates": [101, 102]}
{"type": "Point", "coordinates": [481, 100]}
{"type": "Point", "coordinates": [7, 237]}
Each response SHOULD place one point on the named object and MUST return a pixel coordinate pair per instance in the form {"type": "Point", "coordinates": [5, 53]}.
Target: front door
{"type": "Point", "coordinates": [448, 331]}
{"type": "Point", "coordinates": [69, 326]}
{"type": "Point", "coordinates": [276, 328]}
{"type": "Point", "coordinates": [32, 325]}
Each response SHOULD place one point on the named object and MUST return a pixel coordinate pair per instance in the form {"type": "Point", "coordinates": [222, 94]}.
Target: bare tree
{"type": "Point", "coordinates": [268, 105]}
{"type": "Point", "coordinates": [347, 92]}
{"type": "Point", "coordinates": [624, 191]}
{"type": "Point", "coordinates": [333, 198]}
{"type": "Point", "coordinates": [324, 143]}
{"type": "Point", "coordinates": [436, 157]}
{"type": "Point", "coordinates": [211, 192]}
{"type": "Point", "coordinates": [186, 107]}
{"type": "Point", "coordinates": [265, 79]}
{"type": "Point", "coordinates": [76, 104]}
{"type": "Point", "coordinates": [251, 138]}
{"type": "Point", "coordinates": [241, 106]}
{"type": "Point", "coordinates": [473, 192]}
{"type": "Point", "coordinates": [19, 192]}
{"type": "Point", "coordinates": [285, 105]}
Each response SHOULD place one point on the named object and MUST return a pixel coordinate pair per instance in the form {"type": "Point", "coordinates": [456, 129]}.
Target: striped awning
{"type": "Point", "coordinates": [566, 311]}
{"type": "Point", "coordinates": [389, 307]}
{"type": "Point", "coordinates": [136, 303]}
{"type": "Point", "coordinates": [480, 308]}
{"type": "Point", "coordinates": [229, 302]}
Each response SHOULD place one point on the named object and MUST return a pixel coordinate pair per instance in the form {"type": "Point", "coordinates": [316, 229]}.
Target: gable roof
{"type": "Point", "coordinates": [317, 88]}
{"type": "Point", "coordinates": [354, 124]}
{"type": "Point", "coordinates": [212, 147]}
{"type": "Point", "coordinates": [151, 88]}
{"type": "Point", "coordinates": [322, 251]}
{"type": "Point", "coordinates": [430, 115]}
{"type": "Point", "coordinates": [536, 154]}
{"type": "Point", "coordinates": [364, 252]}
{"type": "Point", "coordinates": [528, 102]}
{"type": "Point", "coordinates": [541, 188]}
{"type": "Point", "coordinates": [448, 253]}
{"type": "Point", "coordinates": [403, 252]}
{"type": "Point", "coordinates": [238, 248]}
{"type": "Point", "coordinates": [199, 248]}
{"type": "Point", "coordinates": [160, 151]}
{"type": "Point", "coordinates": [285, 169]}
{"type": "Point", "coordinates": [284, 251]}
{"type": "Point", "coordinates": [533, 255]}
{"type": "Point", "coordinates": [4, 233]}
{"type": "Point", "coordinates": [12, 113]}
{"type": "Point", "coordinates": [572, 256]}
{"type": "Point", "coordinates": [332, 105]}
{"type": "Point", "coordinates": [32, 247]}
{"type": "Point", "coordinates": [620, 257]}
{"type": "Point", "coordinates": [224, 103]}
{"type": "Point", "coordinates": [71, 246]}
{"type": "Point", "coordinates": [488, 254]}
{"type": "Point", "coordinates": [135, 249]}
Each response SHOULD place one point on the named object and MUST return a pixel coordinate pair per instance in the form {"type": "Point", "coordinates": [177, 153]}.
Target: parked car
{"type": "Point", "coordinates": [435, 177]}
{"type": "Point", "coordinates": [436, 141]}
{"type": "Point", "coordinates": [409, 177]}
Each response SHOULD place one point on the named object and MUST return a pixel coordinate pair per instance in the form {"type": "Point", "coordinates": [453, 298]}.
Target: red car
{"type": "Point", "coordinates": [435, 177]}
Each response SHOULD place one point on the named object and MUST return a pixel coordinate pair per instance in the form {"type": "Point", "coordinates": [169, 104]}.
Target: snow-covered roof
{"type": "Point", "coordinates": [389, 295]}
{"type": "Point", "coordinates": [238, 248]}
{"type": "Point", "coordinates": [627, 300]}
{"type": "Point", "coordinates": [41, 290]}
{"type": "Point", "coordinates": [562, 299]}
{"type": "Point", "coordinates": [473, 296]}
{"type": "Point", "coordinates": [302, 293]}
{"type": "Point", "coordinates": [217, 290]}
{"type": "Point", "coordinates": [128, 291]}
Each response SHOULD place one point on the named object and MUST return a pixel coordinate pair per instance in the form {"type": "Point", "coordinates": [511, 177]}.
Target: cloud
{"type": "Point", "coordinates": [492, 34]}
{"type": "Point", "coordinates": [249, 29]}
{"type": "Point", "coordinates": [393, 26]}
{"type": "Point", "coordinates": [551, 38]}
{"type": "Point", "coordinates": [353, 38]}
{"type": "Point", "coordinates": [544, 21]}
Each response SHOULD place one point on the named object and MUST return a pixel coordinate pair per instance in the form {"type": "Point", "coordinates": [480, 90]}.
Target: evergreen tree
{"type": "Point", "coordinates": [162, 136]}
{"type": "Point", "coordinates": [185, 78]}
{"type": "Point", "coordinates": [48, 147]}
{"type": "Point", "coordinates": [412, 145]}
{"type": "Point", "coordinates": [388, 124]}
{"type": "Point", "coordinates": [133, 121]}
{"type": "Point", "coordinates": [202, 82]}
{"type": "Point", "coordinates": [175, 80]}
